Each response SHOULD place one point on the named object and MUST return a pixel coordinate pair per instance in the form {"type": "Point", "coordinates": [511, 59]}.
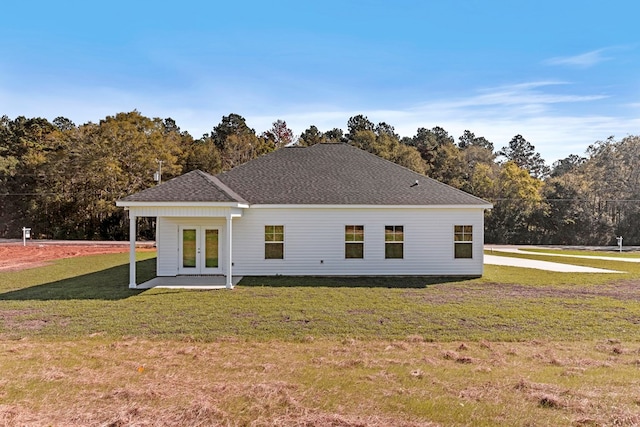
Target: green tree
{"type": "Point", "coordinates": [357, 124]}
{"type": "Point", "coordinates": [24, 144]}
{"type": "Point", "coordinates": [383, 128]}
{"type": "Point", "coordinates": [237, 142]}
{"type": "Point", "coordinates": [408, 157]}
{"type": "Point", "coordinates": [233, 124]}
{"type": "Point", "coordinates": [477, 159]}
{"type": "Point", "coordinates": [566, 165]}
{"type": "Point", "coordinates": [441, 156]}
{"type": "Point", "coordinates": [366, 140]}
{"type": "Point", "coordinates": [202, 154]}
{"type": "Point", "coordinates": [63, 124]}
{"type": "Point", "coordinates": [386, 145]}
{"type": "Point", "coordinates": [334, 135]}
{"type": "Point", "coordinates": [279, 135]}
{"type": "Point", "coordinates": [613, 174]}
{"type": "Point", "coordinates": [570, 220]}
{"type": "Point", "coordinates": [428, 142]}
{"type": "Point", "coordinates": [518, 207]}
{"type": "Point", "coordinates": [523, 153]}
{"type": "Point", "coordinates": [469, 139]}
{"type": "Point", "coordinates": [310, 137]}
{"type": "Point", "coordinates": [96, 164]}
{"type": "Point", "coordinates": [483, 181]}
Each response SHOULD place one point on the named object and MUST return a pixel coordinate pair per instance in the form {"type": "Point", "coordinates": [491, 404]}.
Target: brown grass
{"type": "Point", "coordinates": [320, 383]}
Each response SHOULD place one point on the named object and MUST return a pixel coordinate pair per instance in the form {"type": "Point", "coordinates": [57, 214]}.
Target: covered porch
{"type": "Point", "coordinates": [194, 246]}
{"type": "Point", "coordinates": [194, 228]}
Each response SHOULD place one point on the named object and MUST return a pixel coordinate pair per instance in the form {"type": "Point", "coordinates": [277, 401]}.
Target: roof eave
{"type": "Point", "coordinates": [132, 204]}
{"type": "Point", "coordinates": [345, 206]}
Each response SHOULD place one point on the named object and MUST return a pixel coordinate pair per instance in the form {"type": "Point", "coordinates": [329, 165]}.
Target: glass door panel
{"type": "Point", "coordinates": [199, 250]}
{"type": "Point", "coordinates": [189, 248]}
{"type": "Point", "coordinates": [211, 248]}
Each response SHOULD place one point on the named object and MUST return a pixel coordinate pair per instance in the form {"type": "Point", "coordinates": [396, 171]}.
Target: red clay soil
{"type": "Point", "coordinates": [15, 257]}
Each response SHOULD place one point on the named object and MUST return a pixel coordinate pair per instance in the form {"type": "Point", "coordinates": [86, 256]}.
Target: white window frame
{"type": "Point", "coordinates": [353, 242]}
{"type": "Point", "coordinates": [464, 234]}
{"type": "Point", "coordinates": [393, 242]}
{"type": "Point", "coordinates": [267, 242]}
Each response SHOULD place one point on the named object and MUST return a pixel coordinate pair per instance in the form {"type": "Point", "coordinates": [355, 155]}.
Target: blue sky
{"type": "Point", "coordinates": [562, 73]}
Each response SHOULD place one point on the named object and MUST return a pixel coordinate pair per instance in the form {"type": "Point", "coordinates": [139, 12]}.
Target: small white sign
{"type": "Point", "coordinates": [26, 234]}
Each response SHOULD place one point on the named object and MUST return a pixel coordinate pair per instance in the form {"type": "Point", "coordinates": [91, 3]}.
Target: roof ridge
{"type": "Point", "coordinates": [223, 187]}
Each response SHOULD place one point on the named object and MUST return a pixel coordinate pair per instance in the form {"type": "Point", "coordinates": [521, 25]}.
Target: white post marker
{"type": "Point", "coordinates": [26, 234]}
{"type": "Point", "coordinates": [619, 239]}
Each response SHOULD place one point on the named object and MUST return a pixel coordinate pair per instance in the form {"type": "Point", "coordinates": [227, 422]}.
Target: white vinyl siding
{"type": "Point", "coordinates": [315, 240]}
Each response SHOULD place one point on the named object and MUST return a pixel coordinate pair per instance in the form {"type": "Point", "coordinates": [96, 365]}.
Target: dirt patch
{"type": "Point", "coordinates": [17, 257]}
{"type": "Point", "coordinates": [29, 319]}
{"type": "Point", "coordinates": [625, 290]}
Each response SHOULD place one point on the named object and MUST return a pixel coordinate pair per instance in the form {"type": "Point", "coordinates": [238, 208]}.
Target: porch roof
{"type": "Point", "coordinates": [195, 186]}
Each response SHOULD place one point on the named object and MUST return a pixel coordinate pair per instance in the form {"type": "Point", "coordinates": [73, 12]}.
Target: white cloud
{"type": "Point", "coordinates": [520, 94]}
{"type": "Point", "coordinates": [498, 114]}
{"type": "Point", "coordinates": [536, 109]}
{"type": "Point", "coordinates": [554, 136]}
{"type": "Point", "coordinates": [583, 60]}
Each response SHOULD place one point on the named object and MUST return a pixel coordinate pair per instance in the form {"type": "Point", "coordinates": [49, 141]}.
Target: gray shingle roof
{"type": "Point", "coordinates": [323, 174]}
{"type": "Point", "coordinates": [195, 186]}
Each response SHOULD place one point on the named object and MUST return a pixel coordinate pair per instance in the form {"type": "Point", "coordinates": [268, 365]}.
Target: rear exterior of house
{"type": "Point", "coordinates": [329, 209]}
{"type": "Point", "coordinates": [316, 241]}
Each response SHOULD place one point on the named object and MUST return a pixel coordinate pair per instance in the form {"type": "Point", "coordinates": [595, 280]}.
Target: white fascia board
{"type": "Point", "coordinates": [126, 204]}
{"type": "Point", "coordinates": [487, 206]}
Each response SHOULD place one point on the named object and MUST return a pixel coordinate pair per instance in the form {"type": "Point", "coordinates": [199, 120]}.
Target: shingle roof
{"type": "Point", "coordinates": [195, 186]}
{"type": "Point", "coordinates": [323, 174]}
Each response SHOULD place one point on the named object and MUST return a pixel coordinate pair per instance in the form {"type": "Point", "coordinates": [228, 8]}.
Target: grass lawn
{"type": "Point", "coordinates": [515, 347]}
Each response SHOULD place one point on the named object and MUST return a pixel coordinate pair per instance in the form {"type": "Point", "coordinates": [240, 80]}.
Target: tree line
{"type": "Point", "coordinates": [62, 180]}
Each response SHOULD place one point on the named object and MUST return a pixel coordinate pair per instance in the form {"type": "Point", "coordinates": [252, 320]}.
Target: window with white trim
{"type": "Point", "coordinates": [274, 242]}
{"type": "Point", "coordinates": [463, 241]}
{"type": "Point", "coordinates": [393, 241]}
{"type": "Point", "coordinates": [354, 241]}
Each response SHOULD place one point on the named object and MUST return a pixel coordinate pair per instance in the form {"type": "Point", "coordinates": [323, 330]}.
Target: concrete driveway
{"type": "Point", "coordinates": [542, 265]}
{"type": "Point", "coordinates": [495, 259]}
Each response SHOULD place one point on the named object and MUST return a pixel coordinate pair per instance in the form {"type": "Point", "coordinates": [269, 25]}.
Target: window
{"type": "Point", "coordinates": [354, 241]}
{"type": "Point", "coordinates": [393, 241]}
{"type": "Point", "coordinates": [463, 241]}
{"type": "Point", "coordinates": [274, 242]}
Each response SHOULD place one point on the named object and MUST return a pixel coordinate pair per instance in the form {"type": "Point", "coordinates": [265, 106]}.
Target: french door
{"type": "Point", "coordinates": [199, 250]}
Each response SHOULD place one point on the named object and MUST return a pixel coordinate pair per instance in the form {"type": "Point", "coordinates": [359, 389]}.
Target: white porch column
{"type": "Point", "coordinates": [229, 239]}
{"type": "Point", "coordinates": [132, 250]}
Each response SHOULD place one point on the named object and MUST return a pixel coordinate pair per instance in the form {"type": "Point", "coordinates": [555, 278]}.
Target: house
{"type": "Point", "coordinates": [328, 209]}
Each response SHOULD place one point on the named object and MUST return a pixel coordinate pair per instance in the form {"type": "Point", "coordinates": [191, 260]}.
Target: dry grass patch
{"type": "Point", "coordinates": [347, 383]}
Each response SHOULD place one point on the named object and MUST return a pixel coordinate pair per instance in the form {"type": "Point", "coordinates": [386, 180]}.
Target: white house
{"type": "Point", "coordinates": [328, 209]}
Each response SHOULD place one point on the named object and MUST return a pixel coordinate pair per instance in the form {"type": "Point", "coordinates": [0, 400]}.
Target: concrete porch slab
{"type": "Point", "coordinates": [188, 282]}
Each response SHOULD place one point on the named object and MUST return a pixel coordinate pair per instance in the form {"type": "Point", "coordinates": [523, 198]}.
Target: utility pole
{"type": "Point", "coordinates": [158, 175]}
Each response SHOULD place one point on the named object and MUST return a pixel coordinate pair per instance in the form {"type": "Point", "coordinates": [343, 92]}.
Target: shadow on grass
{"type": "Point", "coordinates": [350, 282]}
{"type": "Point", "coordinates": [109, 284]}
